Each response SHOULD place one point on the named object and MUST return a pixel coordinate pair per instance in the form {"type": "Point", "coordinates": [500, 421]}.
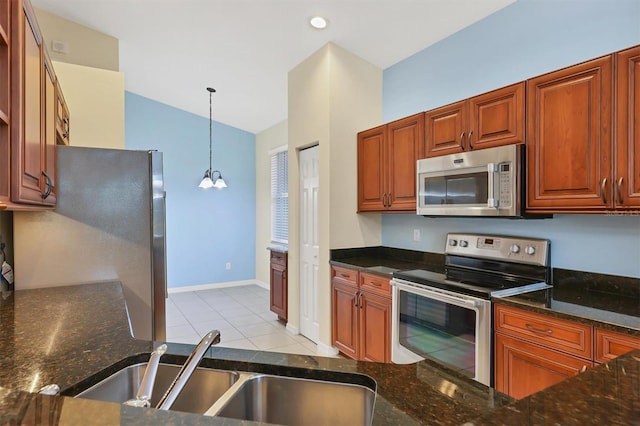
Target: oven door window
{"type": "Point", "coordinates": [468, 188]}
{"type": "Point", "coordinates": [438, 330]}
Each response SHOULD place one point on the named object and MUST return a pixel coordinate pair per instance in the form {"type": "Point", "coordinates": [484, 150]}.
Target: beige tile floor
{"type": "Point", "coordinates": [240, 313]}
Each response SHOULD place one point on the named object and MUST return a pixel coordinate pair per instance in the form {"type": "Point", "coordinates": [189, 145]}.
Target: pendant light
{"type": "Point", "coordinates": [211, 178]}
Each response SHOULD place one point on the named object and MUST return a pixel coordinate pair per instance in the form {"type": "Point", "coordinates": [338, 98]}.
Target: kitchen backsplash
{"type": "Point", "coordinates": [606, 244]}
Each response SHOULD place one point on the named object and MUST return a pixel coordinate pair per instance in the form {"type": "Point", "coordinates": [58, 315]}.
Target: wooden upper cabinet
{"type": "Point", "coordinates": [5, 87]}
{"type": "Point", "coordinates": [387, 157]}
{"type": "Point", "coordinates": [445, 129]}
{"type": "Point", "coordinates": [492, 119]}
{"type": "Point", "coordinates": [627, 171]}
{"type": "Point", "coordinates": [569, 138]}
{"type": "Point", "coordinates": [371, 169]}
{"type": "Point", "coordinates": [405, 142]}
{"type": "Point", "coordinates": [62, 118]}
{"type": "Point", "coordinates": [32, 179]}
{"type": "Point", "coordinates": [49, 128]}
{"type": "Point", "coordinates": [497, 118]}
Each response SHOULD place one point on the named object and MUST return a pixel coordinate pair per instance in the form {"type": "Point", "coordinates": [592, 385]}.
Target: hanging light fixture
{"type": "Point", "coordinates": [211, 178]}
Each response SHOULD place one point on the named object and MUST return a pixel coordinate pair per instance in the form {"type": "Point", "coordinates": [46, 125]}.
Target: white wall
{"type": "Point", "coordinates": [273, 137]}
{"type": "Point", "coordinates": [332, 95]}
{"type": "Point", "coordinates": [86, 46]}
{"type": "Point", "coordinates": [95, 98]}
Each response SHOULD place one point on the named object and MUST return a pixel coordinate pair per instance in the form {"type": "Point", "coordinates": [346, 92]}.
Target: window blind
{"type": "Point", "coordinates": [280, 197]}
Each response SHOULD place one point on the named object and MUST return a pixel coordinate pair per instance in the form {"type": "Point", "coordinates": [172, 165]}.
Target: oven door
{"type": "Point", "coordinates": [477, 183]}
{"type": "Point", "coordinates": [450, 328]}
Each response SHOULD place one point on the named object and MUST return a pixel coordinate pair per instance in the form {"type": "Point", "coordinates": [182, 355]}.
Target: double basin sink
{"type": "Point", "coordinates": [250, 396]}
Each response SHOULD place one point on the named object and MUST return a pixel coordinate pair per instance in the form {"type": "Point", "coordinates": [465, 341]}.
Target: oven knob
{"type": "Point", "coordinates": [515, 248]}
{"type": "Point", "coordinates": [530, 250]}
{"type": "Point", "coordinates": [453, 243]}
{"type": "Point", "coordinates": [463, 243]}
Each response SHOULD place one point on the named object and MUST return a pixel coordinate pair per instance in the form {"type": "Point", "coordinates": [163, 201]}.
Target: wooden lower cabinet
{"type": "Point", "coordinates": [278, 293]}
{"type": "Point", "coordinates": [375, 317]}
{"type": "Point", "coordinates": [534, 351]}
{"type": "Point", "coordinates": [344, 319]}
{"type": "Point", "coordinates": [360, 319]}
{"type": "Point", "coordinates": [524, 368]}
{"type": "Point", "coordinates": [610, 344]}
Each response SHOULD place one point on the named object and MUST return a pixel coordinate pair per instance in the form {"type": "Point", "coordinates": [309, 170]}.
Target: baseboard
{"type": "Point", "coordinates": [292, 329]}
{"type": "Point", "coordinates": [326, 349]}
{"type": "Point", "coordinates": [185, 289]}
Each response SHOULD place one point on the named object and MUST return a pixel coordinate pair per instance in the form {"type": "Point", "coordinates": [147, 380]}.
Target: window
{"type": "Point", "coordinates": [280, 196]}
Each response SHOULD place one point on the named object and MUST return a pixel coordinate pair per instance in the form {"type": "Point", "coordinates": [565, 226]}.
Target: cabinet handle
{"type": "Point", "coordinates": [360, 301]}
{"type": "Point", "coordinates": [583, 369]}
{"type": "Point", "coordinates": [462, 140]}
{"type": "Point", "coordinates": [375, 283]}
{"type": "Point", "coordinates": [3, 206]}
{"type": "Point", "coordinates": [49, 186]}
{"type": "Point", "coordinates": [619, 190]}
{"type": "Point", "coordinates": [469, 139]}
{"type": "Point", "coordinates": [388, 199]}
{"type": "Point", "coordinates": [345, 275]}
{"type": "Point", "coordinates": [538, 330]}
{"type": "Point", "coordinates": [603, 190]}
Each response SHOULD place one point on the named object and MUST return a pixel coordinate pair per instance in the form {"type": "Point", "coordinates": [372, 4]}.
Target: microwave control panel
{"type": "Point", "coordinates": [506, 176]}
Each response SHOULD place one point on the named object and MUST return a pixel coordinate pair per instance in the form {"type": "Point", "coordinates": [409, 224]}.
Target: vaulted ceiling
{"type": "Point", "coordinates": [171, 50]}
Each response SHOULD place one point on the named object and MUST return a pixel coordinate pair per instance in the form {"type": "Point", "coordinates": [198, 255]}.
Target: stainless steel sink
{"type": "Point", "coordinates": [249, 396]}
{"type": "Point", "coordinates": [202, 390]}
{"type": "Point", "coordinates": [296, 401]}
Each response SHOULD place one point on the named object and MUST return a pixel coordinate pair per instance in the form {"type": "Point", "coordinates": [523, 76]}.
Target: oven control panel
{"type": "Point", "coordinates": [533, 251]}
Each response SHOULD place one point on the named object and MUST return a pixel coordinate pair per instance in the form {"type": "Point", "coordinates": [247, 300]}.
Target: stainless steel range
{"type": "Point", "coordinates": [447, 317]}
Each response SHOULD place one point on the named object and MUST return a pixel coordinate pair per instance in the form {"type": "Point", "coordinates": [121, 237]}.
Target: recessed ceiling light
{"type": "Point", "coordinates": [318, 22]}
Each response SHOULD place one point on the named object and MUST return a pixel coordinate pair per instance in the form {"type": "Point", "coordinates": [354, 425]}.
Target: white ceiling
{"type": "Point", "coordinates": [171, 50]}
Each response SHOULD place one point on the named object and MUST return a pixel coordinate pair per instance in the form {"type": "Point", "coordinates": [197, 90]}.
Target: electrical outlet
{"type": "Point", "coordinates": [228, 266]}
{"type": "Point", "coordinates": [416, 235]}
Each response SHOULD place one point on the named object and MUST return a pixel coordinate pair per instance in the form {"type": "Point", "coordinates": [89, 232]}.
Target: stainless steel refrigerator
{"type": "Point", "coordinates": [109, 224]}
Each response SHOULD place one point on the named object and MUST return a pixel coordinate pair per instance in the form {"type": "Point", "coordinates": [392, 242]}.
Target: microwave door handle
{"type": "Point", "coordinates": [492, 202]}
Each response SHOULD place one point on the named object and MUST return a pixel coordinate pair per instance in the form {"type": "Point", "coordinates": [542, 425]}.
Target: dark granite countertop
{"type": "Point", "coordinates": [78, 335]}
{"type": "Point", "coordinates": [75, 336]}
{"type": "Point", "coordinates": [604, 301]}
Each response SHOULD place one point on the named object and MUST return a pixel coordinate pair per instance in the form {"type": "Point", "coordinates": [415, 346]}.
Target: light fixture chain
{"type": "Point", "coordinates": [210, 132]}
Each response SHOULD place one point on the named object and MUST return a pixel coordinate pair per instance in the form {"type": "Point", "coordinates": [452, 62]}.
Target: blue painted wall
{"type": "Point", "coordinates": [525, 39]}
{"type": "Point", "coordinates": [205, 228]}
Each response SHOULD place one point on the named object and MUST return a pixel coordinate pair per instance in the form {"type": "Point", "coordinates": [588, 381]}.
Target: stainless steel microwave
{"type": "Point", "coordinates": [487, 182]}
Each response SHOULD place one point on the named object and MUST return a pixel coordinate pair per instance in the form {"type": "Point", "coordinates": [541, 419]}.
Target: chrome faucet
{"type": "Point", "coordinates": [211, 338]}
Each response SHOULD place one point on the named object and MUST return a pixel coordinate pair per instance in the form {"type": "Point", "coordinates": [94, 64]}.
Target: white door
{"type": "Point", "coordinates": [309, 185]}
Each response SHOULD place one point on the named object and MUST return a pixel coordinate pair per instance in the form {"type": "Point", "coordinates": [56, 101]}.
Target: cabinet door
{"type": "Point", "coordinates": [627, 176]}
{"type": "Point", "coordinates": [610, 345]}
{"type": "Point", "coordinates": [5, 153]}
{"type": "Point", "coordinates": [497, 118]}
{"type": "Point", "coordinates": [569, 138]}
{"type": "Point", "coordinates": [344, 321]}
{"type": "Point", "coordinates": [405, 142]}
{"type": "Point", "coordinates": [446, 129]}
{"type": "Point", "coordinates": [371, 180]}
{"type": "Point", "coordinates": [522, 368]}
{"type": "Point", "coordinates": [375, 327]}
{"type": "Point", "coordinates": [26, 110]}
{"type": "Point", "coordinates": [49, 118]}
{"type": "Point", "coordinates": [278, 286]}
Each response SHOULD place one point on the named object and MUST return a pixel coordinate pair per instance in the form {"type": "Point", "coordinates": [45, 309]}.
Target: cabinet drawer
{"type": "Point", "coordinates": [563, 335]}
{"type": "Point", "coordinates": [375, 284]}
{"type": "Point", "coordinates": [345, 275]}
{"type": "Point", "coordinates": [279, 258]}
{"type": "Point", "coordinates": [610, 345]}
